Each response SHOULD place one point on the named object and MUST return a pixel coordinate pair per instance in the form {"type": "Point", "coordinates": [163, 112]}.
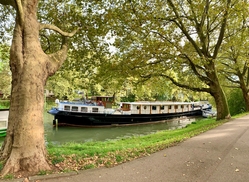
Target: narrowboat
{"type": "Point", "coordinates": [3, 121]}
{"type": "Point", "coordinates": [99, 113]}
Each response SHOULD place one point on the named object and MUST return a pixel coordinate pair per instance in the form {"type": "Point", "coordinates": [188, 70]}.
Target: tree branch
{"type": "Point", "coordinates": [230, 86]}
{"type": "Point", "coordinates": [183, 28]}
{"type": "Point", "coordinates": [57, 29]}
{"type": "Point", "coordinates": [194, 68]}
{"type": "Point", "coordinates": [20, 11]}
{"type": "Point", "coordinates": [56, 59]}
{"type": "Point", "coordinates": [222, 31]}
{"type": "Point", "coordinates": [208, 90]}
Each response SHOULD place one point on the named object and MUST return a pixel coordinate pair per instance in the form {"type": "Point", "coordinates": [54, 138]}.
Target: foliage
{"type": "Point", "coordinates": [236, 102]}
{"type": "Point", "coordinates": [88, 49]}
{"type": "Point", "coordinates": [4, 104]}
{"type": "Point", "coordinates": [129, 98]}
{"type": "Point", "coordinates": [181, 41]}
{"type": "Point", "coordinates": [5, 74]}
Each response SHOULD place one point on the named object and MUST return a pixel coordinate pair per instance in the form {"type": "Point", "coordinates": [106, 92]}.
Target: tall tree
{"type": "Point", "coordinates": [234, 55]}
{"type": "Point", "coordinates": [156, 37]}
{"type": "Point", "coordinates": [24, 147]}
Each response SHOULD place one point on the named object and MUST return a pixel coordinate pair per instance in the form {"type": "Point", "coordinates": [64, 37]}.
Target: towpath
{"type": "Point", "coordinates": [218, 155]}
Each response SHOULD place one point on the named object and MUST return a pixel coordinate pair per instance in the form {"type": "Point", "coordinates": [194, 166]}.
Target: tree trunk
{"type": "Point", "coordinates": [221, 103]}
{"type": "Point", "coordinates": [244, 89]}
{"type": "Point", "coordinates": [24, 146]}
{"type": "Point", "coordinates": [219, 95]}
{"type": "Point", "coordinates": [246, 98]}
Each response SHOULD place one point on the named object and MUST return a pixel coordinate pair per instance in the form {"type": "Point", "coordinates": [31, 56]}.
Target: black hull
{"type": "Point", "coordinates": [93, 119]}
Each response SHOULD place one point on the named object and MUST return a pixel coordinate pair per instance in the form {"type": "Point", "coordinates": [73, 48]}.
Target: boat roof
{"type": "Point", "coordinates": [157, 103]}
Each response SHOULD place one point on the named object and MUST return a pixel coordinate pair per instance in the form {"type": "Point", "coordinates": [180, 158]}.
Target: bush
{"type": "Point", "coordinates": [236, 102]}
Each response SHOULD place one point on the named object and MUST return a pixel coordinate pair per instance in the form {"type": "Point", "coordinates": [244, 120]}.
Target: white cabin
{"type": "Point", "coordinates": [156, 107]}
{"type": "Point", "coordinates": [79, 107]}
{"type": "Point", "coordinates": [142, 107]}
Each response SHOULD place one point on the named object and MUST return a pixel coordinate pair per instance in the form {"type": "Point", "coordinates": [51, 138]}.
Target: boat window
{"type": "Point", "coordinates": [161, 107]}
{"type": "Point", "coordinates": [126, 106]}
{"type": "Point", "coordinates": [145, 107]}
{"type": "Point", "coordinates": [182, 106]}
{"type": "Point", "coordinates": [3, 124]}
{"type": "Point", "coordinates": [170, 107]}
{"type": "Point", "coordinates": [67, 108]}
{"type": "Point", "coordinates": [153, 107]}
{"type": "Point", "coordinates": [176, 106]}
{"type": "Point", "coordinates": [74, 108]}
{"type": "Point", "coordinates": [83, 109]}
{"type": "Point", "coordinates": [138, 107]}
{"type": "Point", "coordinates": [94, 109]}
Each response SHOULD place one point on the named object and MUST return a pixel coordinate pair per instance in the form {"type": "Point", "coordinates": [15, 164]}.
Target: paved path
{"type": "Point", "coordinates": [218, 155]}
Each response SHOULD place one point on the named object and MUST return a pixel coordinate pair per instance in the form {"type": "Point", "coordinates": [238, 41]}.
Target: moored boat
{"type": "Point", "coordinates": [95, 113]}
{"type": "Point", "coordinates": [208, 113]}
{"type": "Point", "coordinates": [3, 121]}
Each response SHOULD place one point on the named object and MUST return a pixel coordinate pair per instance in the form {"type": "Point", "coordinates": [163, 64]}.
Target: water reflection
{"type": "Point", "coordinates": [74, 134]}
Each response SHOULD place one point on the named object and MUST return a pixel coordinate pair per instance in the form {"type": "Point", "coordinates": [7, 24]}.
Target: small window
{"type": "Point", "coordinates": [154, 108]}
{"type": "Point", "coordinates": [126, 106]}
{"type": "Point", "coordinates": [182, 106]}
{"type": "Point", "coordinates": [170, 107]}
{"type": "Point", "coordinates": [138, 107]}
{"type": "Point", "coordinates": [94, 109]}
{"type": "Point", "coordinates": [145, 107]}
{"type": "Point", "coordinates": [3, 124]}
{"type": "Point", "coordinates": [161, 107]}
{"type": "Point", "coordinates": [176, 106]}
{"type": "Point", "coordinates": [83, 109]}
{"type": "Point", "coordinates": [67, 108]}
{"type": "Point", "coordinates": [74, 108]}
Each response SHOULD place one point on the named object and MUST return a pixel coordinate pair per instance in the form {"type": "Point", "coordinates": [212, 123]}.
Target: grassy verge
{"type": "Point", "coordinates": [77, 156]}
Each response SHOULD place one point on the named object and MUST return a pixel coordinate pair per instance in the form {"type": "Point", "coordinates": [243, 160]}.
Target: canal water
{"type": "Point", "coordinates": [75, 134]}
{"type": "Point", "coordinates": [60, 135]}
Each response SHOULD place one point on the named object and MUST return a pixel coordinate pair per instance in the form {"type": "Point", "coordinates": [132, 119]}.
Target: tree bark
{"type": "Point", "coordinates": [244, 89]}
{"type": "Point", "coordinates": [217, 92]}
{"type": "Point", "coordinates": [24, 147]}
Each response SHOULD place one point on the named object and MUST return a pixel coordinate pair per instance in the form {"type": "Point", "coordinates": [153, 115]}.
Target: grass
{"type": "Point", "coordinates": [77, 156]}
{"type": "Point", "coordinates": [240, 115]}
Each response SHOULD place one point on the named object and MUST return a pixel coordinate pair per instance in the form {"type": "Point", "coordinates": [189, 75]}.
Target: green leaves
{"type": "Point", "coordinates": [5, 74]}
